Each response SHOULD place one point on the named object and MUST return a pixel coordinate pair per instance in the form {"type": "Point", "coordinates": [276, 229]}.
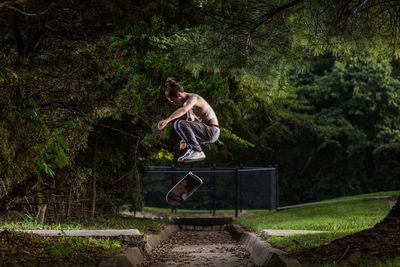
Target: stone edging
{"type": "Point", "coordinates": [261, 252]}
{"type": "Point", "coordinates": [155, 239]}
{"type": "Point", "coordinates": [133, 256]}
{"type": "Point", "coordinates": [266, 233]}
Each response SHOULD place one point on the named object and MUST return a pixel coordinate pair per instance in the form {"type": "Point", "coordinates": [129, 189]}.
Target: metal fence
{"type": "Point", "coordinates": [223, 188]}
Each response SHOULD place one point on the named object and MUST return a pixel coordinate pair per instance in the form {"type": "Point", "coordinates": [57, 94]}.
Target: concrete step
{"type": "Point", "coordinates": [282, 232]}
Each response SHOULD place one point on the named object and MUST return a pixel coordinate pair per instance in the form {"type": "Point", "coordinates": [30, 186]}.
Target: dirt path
{"type": "Point", "coordinates": [200, 248]}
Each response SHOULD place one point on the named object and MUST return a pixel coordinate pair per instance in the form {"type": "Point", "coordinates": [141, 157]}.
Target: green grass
{"type": "Point", "coordinates": [295, 243]}
{"type": "Point", "coordinates": [342, 214]}
{"type": "Point", "coordinates": [338, 217]}
{"type": "Point", "coordinates": [21, 249]}
{"type": "Point", "coordinates": [362, 196]}
{"type": "Point", "coordinates": [105, 222]}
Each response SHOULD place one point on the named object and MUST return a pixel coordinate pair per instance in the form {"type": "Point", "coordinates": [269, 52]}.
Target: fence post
{"type": "Point", "coordinates": [240, 191]}
{"type": "Point", "coordinates": [212, 190]}
{"type": "Point", "coordinates": [173, 182]}
{"type": "Point", "coordinates": [277, 185]}
{"type": "Point", "coordinates": [273, 189]}
{"type": "Point", "coordinates": [236, 191]}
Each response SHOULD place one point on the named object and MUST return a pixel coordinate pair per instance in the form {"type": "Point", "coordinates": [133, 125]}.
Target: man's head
{"type": "Point", "coordinates": [174, 92]}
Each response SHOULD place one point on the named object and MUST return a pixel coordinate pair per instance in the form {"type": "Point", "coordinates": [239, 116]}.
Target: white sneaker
{"type": "Point", "coordinates": [187, 153]}
{"type": "Point", "coordinates": [194, 156]}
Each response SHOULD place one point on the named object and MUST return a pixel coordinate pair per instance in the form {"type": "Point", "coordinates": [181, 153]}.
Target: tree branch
{"type": "Point", "coordinates": [8, 3]}
{"type": "Point", "coordinates": [118, 130]}
{"type": "Point", "coordinates": [271, 13]}
{"type": "Point", "coordinates": [30, 14]}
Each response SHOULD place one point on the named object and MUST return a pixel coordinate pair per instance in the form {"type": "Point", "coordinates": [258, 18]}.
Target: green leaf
{"type": "Point", "coordinates": [227, 134]}
{"type": "Point", "coordinates": [316, 5]}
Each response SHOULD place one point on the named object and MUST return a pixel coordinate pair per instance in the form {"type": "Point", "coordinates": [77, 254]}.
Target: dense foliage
{"type": "Point", "coordinates": [82, 90]}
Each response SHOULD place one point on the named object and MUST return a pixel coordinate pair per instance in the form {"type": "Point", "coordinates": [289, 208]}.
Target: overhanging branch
{"type": "Point", "coordinates": [271, 13]}
{"type": "Point", "coordinates": [9, 5]}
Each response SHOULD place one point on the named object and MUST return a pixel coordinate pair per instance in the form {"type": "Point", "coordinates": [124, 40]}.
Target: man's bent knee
{"type": "Point", "coordinates": [183, 124]}
{"type": "Point", "coordinates": [176, 124]}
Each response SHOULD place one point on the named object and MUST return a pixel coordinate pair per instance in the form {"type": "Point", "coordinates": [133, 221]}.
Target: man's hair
{"type": "Point", "coordinates": [172, 87]}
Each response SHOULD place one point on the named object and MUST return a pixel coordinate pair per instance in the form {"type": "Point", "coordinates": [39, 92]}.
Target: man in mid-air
{"type": "Point", "coordinates": [201, 125]}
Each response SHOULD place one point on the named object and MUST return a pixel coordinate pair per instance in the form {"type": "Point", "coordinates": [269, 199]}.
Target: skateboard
{"type": "Point", "coordinates": [183, 189]}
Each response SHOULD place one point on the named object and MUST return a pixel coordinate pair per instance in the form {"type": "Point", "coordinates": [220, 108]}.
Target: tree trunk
{"type": "Point", "coordinates": [395, 211]}
{"type": "Point", "coordinates": [137, 194]}
{"type": "Point", "coordinates": [93, 209]}
{"type": "Point", "coordinates": [41, 214]}
{"type": "Point", "coordinates": [40, 205]}
{"type": "Point", "coordinates": [393, 217]}
{"type": "Point", "coordinates": [18, 36]}
{"type": "Point", "coordinates": [69, 204]}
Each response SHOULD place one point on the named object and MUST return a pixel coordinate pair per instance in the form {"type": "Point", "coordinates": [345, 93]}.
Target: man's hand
{"type": "Point", "coordinates": [161, 124]}
{"type": "Point", "coordinates": [182, 145]}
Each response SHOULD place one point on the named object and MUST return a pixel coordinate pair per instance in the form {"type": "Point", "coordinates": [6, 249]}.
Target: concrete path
{"type": "Point", "coordinates": [324, 202]}
{"type": "Point", "coordinates": [200, 248]}
{"type": "Point", "coordinates": [274, 232]}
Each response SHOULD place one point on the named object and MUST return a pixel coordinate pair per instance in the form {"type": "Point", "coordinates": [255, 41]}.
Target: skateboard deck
{"type": "Point", "coordinates": [183, 189]}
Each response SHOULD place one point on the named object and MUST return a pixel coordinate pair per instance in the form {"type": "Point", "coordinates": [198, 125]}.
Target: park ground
{"type": "Point", "coordinates": [343, 221]}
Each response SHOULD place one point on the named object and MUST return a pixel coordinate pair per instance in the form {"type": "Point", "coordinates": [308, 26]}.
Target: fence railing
{"type": "Point", "coordinates": [223, 188]}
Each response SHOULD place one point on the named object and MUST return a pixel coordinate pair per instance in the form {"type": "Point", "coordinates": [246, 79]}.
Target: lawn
{"type": "Point", "coordinates": [347, 214]}
{"type": "Point", "coordinates": [22, 249]}
{"type": "Point", "coordinates": [338, 217]}
{"type": "Point", "coordinates": [101, 222]}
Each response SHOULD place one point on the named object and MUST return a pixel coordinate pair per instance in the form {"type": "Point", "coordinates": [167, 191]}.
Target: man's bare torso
{"type": "Point", "coordinates": [201, 111]}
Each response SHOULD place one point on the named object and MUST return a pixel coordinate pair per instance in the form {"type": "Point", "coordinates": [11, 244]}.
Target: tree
{"type": "Point", "coordinates": [75, 71]}
{"type": "Point", "coordinates": [358, 108]}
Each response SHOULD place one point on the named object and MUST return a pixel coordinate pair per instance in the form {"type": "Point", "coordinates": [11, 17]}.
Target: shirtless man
{"type": "Point", "coordinates": [201, 125]}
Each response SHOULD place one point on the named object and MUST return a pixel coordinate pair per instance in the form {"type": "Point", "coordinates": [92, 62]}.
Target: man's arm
{"type": "Point", "coordinates": [179, 112]}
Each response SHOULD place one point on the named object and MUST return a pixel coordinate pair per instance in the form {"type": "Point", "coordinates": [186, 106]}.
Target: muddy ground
{"type": "Point", "coordinates": [200, 248]}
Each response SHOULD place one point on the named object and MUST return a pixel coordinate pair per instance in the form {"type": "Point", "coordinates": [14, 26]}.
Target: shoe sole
{"type": "Point", "coordinates": [192, 160]}
{"type": "Point", "coordinates": [181, 159]}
